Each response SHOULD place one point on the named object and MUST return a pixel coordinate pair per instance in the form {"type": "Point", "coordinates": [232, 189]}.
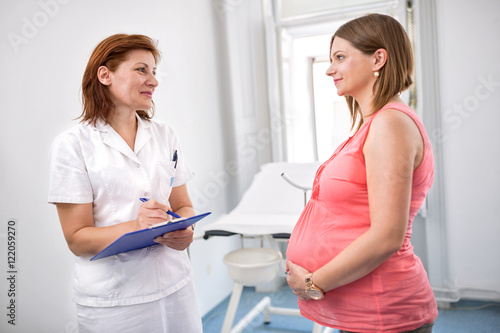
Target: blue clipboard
{"type": "Point", "coordinates": [145, 237]}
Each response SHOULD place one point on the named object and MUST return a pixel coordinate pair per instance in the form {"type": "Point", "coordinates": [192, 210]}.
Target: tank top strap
{"type": "Point", "coordinates": [423, 175]}
{"type": "Point", "coordinates": [406, 110]}
{"type": "Point", "coordinates": [359, 138]}
{"type": "Point", "coordinates": [402, 108]}
{"type": "Point", "coordinates": [354, 145]}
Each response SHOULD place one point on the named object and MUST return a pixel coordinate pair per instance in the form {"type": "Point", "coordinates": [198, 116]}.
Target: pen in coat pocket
{"type": "Point", "coordinates": [174, 159]}
{"type": "Point", "coordinates": [168, 211]}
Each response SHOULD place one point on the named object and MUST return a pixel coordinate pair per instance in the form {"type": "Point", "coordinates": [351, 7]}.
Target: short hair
{"type": "Point", "coordinates": [111, 52]}
{"type": "Point", "coordinates": [368, 34]}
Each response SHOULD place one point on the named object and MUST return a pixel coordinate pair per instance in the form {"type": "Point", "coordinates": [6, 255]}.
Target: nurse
{"type": "Point", "coordinates": [99, 170]}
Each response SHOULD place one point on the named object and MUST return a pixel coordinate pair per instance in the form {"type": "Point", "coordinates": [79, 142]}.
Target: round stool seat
{"type": "Point", "coordinates": [252, 266]}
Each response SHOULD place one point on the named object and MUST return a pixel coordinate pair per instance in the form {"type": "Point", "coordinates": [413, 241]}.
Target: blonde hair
{"type": "Point", "coordinates": [368, 34]}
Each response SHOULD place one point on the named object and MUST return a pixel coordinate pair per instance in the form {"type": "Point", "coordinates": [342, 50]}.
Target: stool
{"type": "Point", "coordinates": [251, 267]}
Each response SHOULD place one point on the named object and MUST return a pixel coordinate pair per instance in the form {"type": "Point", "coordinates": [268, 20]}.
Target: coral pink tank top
{"type": "Point", "coordinates": [394, 297]}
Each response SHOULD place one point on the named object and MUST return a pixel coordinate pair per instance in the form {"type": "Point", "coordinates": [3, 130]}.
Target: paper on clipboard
{"type": "Point", "coordinates": [145, 237]}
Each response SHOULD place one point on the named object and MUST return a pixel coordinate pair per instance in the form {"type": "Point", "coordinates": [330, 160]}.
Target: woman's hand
{"type": "Point", "coordinates": [151, 212]}
{"type": "Point", "coordinates": [296, 280]}
{"type": "Point", "coordinates": [177, 240]}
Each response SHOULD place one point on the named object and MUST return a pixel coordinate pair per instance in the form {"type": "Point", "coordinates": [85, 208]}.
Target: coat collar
{"type": "Point", "coordinates": [114, 140]}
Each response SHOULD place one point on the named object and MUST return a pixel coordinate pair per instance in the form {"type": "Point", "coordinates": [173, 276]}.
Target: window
{"type": "Point", "coordinates": [318, 118]}
{"type": "Point", "coordinates": [314, 119]}
{"type": "Point", "coordinates": [332, 117]}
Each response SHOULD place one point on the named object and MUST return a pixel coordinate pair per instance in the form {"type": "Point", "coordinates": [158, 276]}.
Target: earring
{"type": "Point", "coordinates": [376, 74]}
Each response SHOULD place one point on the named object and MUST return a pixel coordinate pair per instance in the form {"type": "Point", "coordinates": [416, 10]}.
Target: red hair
{"type": "Point", "coordinates": [111, 52]}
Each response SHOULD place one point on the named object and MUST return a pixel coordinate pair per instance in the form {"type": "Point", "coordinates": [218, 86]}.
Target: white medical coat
{"type": "Point", "coordinates": [95, 165]}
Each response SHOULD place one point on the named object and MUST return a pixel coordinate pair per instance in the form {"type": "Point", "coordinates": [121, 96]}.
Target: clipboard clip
{"type": "Point", "coordinates": [166, 222]}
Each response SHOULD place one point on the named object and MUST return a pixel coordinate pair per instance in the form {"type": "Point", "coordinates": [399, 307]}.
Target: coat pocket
{"type": "Point", "coordinates": [166, 175]}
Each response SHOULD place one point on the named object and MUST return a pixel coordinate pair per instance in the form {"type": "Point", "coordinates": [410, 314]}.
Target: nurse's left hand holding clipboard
{"type": "Point", "coordinates": [152, 212]}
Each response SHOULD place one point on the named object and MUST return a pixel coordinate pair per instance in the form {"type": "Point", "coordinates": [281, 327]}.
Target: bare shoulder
{"type": "Point", "coordinates": [393, 119]}
{"type": "Point", "coordinates": [392, 123]}
{"type": "Point", "coordinates": [394, 132]}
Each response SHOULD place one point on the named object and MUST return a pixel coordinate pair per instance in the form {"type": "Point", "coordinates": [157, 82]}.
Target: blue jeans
{"type": "Point", "coordinates": [426, 328]}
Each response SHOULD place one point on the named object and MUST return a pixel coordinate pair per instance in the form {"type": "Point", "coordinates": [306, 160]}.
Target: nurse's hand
{"type": "Point", "coordinates": [177, 240]}
{"type": "Point", "coordinates": [296, 279]}
{"type": "Point", "coordinates": [151, 212]}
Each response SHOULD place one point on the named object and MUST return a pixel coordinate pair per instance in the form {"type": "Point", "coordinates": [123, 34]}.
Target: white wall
{"type": "Point", "coordinates": [40, 94]}
{"type": "Point", "coordinates": [470, 97]}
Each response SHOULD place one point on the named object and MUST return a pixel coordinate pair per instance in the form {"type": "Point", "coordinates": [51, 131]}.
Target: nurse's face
{"type": "Point", "coordinates": [133, 82]}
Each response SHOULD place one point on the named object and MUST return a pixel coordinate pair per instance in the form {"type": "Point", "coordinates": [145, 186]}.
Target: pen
{"type": "Point", "coordinates": [174, 159]}
{"type": "Point", "coordinates": [168, 211]}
